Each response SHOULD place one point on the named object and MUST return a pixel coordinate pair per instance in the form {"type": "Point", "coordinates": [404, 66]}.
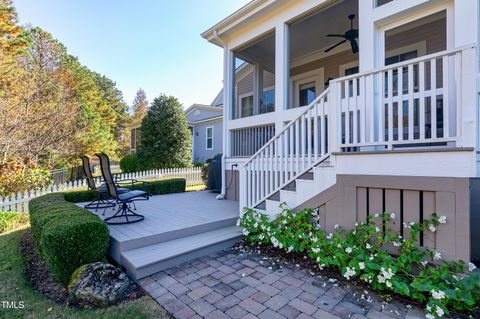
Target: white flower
{"type": "Point", "coordinates": [255, 225]}
{"type": "Point", "coordinates": [437, 255]}
{"type": "Point", "coordinates": [381, 279]}
{"type": "Point", "coordinates": [471, 267]}
{"type": "Point", "coordinates": [388, 284]}
{"type": "Point", "coordinates": [424, 263]}
{"type": "Point", "coordinates": [339, 246]}
{"type": "Point", "coordinates": [392, 215]}
{"type": "Point", "coordinates": [238, 222]}
{"type": "Point", "coordinates": [349, 272]}
{"type": "Point", "coordinates": [367, 245]}
{"type": "Point", "coordinates": [377, 229]}
{"type": "Point", "coordinates": [412, 224]}
{"type": "Point", "coordinates": [361, 265]}
{"type": "Point", "coordinates": [356, 224]}
{"type": "Point", "coordinates": [396, 244]}
{"type": "Point", "coordinates": [376, 215]}
{"type": "Point", "coordinates": [442, 219]}
{"type": "Point", "coordinates": [439, 311]}
{"type": "Point", "coordinates": [261, 237]}
{"type": "Point", "coordinates": [246, 232]}
{"type": "Point", "coordinates": [348, 250]}
{"type": "Point", "coordinates": [432, 228]}
{"type": "Point", "coordinates": [438, 294]}
{"type": "Point", "coordinates": [329, 236]}
{"type": "Point", "coordinates": [290, 249]}
{"type": "Point", "coordinates": [316, 250]}
{"type": "Point", "coordinates": [386, 274]}
{"type": "Point", "coordinates": [336, 226]}
{"type": "Point", "coordinates": [429, 316]}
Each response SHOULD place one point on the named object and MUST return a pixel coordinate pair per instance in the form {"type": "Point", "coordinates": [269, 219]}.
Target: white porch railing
{"type": "Point", "coordinates": [416, 102]}
{"type": "Point", "coordinates": [421, 102]}
{"type": "Point", "coordinates": [296, 148]}
{"type": "Point", "coordinates": [247, 141]}
{"type": "Point", "coordinates": [19, 202]}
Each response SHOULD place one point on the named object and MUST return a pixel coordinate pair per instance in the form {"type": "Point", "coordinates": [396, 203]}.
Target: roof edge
{"type": "Point", "coordinates": [212, 34]}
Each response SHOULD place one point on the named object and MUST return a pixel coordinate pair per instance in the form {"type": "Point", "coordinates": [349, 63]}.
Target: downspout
{"type": "Point", "coordinates": [225, 128]}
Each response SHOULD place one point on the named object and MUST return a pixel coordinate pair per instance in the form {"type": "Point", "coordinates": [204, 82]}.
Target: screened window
{"type": "Point", "coordinates": [209, 134]}
{"type": "Point", "coordinates": [306, 93]}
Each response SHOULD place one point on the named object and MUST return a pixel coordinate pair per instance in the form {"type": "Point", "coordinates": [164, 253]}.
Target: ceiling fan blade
{"type": "Point", "coordinates": [354, 45]}
{"type": "Point", "coordinates": [336, 45]}
{"type": "Point", "coordinates": [336, 36]}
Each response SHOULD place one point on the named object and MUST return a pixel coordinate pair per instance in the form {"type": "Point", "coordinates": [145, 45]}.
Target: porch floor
{"type": "Point", "coordinates": [176, 228]}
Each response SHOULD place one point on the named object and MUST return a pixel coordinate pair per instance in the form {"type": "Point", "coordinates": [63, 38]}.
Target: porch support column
{"type": "Point", "coordinates": [282, 70]}
{"type": "Point", "coordinates": [228, 108]}
{"type": "Point", "coordinates": [257, 88]}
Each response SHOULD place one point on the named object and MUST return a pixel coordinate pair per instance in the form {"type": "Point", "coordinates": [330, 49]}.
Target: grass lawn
{"type": "Point", "coordinates": [14, 287]}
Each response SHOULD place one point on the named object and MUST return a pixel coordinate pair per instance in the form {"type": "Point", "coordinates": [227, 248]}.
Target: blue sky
{"type": "Point", "coordinates": [152, 44]}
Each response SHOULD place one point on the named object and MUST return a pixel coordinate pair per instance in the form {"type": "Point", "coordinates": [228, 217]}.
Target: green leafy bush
{"type": "Point", "coordinates": [67, 236]}
{"type": "Point", "coordinates": [363, 253]}
{"type": "Point", "coordinates": [11, 220]}
{"type": "Point", "coordinates": [129, 163]}
{"type": "Point", "coordinates": [198, 164]}
{"type": "Point", "coordinates": [18, 176]}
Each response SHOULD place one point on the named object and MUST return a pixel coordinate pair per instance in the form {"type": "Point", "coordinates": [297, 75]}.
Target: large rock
{"type": "Point", "coordinates": [99, 284]}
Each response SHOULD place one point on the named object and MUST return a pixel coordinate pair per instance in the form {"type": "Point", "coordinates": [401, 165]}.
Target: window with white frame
{"type": "Point", "coordinates": [209, 138]}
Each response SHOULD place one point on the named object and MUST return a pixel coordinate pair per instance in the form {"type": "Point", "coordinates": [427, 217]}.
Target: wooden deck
{"type": "Point", "coordinates": [176, 227]}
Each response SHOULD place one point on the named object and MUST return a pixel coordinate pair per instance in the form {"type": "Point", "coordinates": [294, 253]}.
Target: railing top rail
{"type": "Point", "coordinates": [308, 108]}
{"type": "Point", "coordinates": [405, 63]}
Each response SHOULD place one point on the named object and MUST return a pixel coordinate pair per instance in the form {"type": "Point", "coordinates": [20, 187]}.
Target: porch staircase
{"type": "Point", "coordinates": [293, 166]}
{"type": "Point", "coordinates": [355, 114]}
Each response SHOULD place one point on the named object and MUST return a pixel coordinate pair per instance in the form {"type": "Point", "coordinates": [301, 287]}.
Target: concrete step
{"type": "Point", "coordinates": [145, 261]}
{"type": "Point", "coordinates": [176, 233]}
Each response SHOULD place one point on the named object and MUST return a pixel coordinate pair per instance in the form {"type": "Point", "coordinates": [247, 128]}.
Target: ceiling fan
{"type": "Point", "coordinates": [351, 35]}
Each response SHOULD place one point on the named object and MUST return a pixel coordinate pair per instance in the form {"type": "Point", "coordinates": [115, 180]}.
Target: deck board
{"type": "Point", "coordinates": [165, 213]}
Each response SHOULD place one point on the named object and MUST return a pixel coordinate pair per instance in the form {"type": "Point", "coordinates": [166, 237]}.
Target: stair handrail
{"type": "Point", "coordinates": [292, 122]}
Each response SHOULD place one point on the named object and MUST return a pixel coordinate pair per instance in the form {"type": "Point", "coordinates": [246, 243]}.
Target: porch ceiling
{"type": "Point", "coordinates": [308, 35]}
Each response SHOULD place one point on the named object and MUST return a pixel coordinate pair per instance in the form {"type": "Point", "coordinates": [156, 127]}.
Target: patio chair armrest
{"type": "Point", "coordinates": [132, 182]}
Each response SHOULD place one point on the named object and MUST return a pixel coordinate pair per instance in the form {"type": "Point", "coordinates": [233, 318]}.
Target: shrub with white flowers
{"type": "Point", "coordinates": [364, 253]}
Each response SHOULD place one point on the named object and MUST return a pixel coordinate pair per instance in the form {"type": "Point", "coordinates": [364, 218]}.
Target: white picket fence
{"type": "Point", "coordinates": [19, 202]}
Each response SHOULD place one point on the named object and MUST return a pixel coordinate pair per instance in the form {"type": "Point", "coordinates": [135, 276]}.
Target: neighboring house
{"type": "Point", "coordinates": [206, 125]}
{"type": "Point", "coordinates": [135, 137]}
{"type": "Point", "coordinates": [386, 121]}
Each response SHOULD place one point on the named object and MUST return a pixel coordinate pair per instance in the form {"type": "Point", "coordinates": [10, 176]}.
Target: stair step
{"type": "Point", "coordinates": [144, 261]}
{"type": "Point", "coordinates": [177, 233]}
{"type": "Point", "coordinates": [290, 187]}
{"type": "Point", "coordinates": [307, 175]}
{"type": "Point", "coordinates": [261, 206]}
{"type": "Point", "coordinates": [275, 197]}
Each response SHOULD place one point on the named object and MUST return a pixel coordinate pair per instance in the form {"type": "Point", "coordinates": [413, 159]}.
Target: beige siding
{"type": "Point", "coordinates": [433, 33]}
{"type": "Point", "coordinates": [330, 63]}
{"type": "Point", "coordinates": [410, 198]}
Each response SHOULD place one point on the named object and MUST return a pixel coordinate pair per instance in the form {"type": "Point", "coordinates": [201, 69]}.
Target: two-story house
{"type": "Point", "coordinates": [355, 107]}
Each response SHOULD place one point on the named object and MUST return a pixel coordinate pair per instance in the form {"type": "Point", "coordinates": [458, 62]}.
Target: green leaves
{"type": "Point", "coordinates": [362, 253]}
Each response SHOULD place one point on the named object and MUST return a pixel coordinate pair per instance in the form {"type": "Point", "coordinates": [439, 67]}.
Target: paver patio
{"type": "Point", "coordinates": [232, 284]}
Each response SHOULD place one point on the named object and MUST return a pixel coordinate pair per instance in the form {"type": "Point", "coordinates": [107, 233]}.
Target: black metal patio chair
{"type": "Point", "coordinates": [104, 201]}
{"type": "Point", "coordinates": [124, 214]}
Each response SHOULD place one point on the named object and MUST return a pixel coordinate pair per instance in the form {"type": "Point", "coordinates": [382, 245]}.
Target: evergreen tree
{"type": "Point", "coordinates": [166, 139]}
{"type": "Point", "coordinates": [140, 104]}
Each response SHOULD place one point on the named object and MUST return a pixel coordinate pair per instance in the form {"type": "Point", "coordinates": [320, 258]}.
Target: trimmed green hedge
{"type": "Point", "coordinates": [154, 187]}
{"type": "Point", "coordinates": [69, 236]}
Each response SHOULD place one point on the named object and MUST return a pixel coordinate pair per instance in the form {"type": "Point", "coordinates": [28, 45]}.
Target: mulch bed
{"type": "Point", "coordinates": [302, 261]}
{"type": "Point", "coordinates": [41, 281]}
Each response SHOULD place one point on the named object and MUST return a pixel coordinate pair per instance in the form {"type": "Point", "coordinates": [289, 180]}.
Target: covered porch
{"type": "Point", "coordinates": [412, 60]}
{"type": "Point", "coordinates": [176, 228]}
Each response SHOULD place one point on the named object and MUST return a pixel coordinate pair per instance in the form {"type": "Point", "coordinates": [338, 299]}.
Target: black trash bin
{"type": "Point", "coordinates": [214, 179]}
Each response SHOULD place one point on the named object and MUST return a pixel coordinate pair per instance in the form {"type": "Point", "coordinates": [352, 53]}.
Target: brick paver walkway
{"type": "Point", "coordinates": [236, 285]}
